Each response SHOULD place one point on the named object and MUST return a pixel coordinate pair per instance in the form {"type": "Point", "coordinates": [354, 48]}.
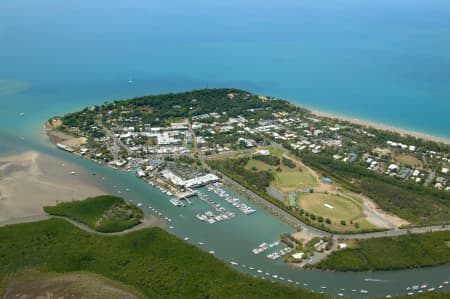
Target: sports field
{"type": "Point", "coordinates": [336, 208]}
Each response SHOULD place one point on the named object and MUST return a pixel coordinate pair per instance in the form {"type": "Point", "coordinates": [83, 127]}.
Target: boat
{"type": "Point", "coordinates": [234, 263]}
{"type": "Point", "coordinates": [175, 202]}
{"type": "Point", "coordinates": [201, 243]}
{"type": "Point", "coordinates": [186, 238]}
{"type": "Point", "coordinates": [64, 147]}
{"type": "Point", "coordinates": [201, 217]}
{"type": "Point", "coordinates": [139, 205]}
{"type": "Point", "coordinates": [73, 173]}
{"type": "Point", "coordinates": [21, 114]}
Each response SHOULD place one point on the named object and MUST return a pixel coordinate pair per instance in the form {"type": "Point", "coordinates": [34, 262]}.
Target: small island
{"type": "Point", "coordinates": [105, 214]}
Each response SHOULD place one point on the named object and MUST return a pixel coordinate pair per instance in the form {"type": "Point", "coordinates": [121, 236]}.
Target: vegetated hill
{"type": "Point", "coordinates": [104, 213]}
{"type": "Point", "coordinates": [407, 251]}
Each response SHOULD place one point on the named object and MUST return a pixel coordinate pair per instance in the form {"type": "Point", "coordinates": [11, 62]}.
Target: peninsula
{"type": "Point", "coordinates": [333, 180]}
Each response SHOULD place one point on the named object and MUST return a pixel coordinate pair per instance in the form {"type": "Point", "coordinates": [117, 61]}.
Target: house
{"type": "Point", "coordinates": [263, 152]}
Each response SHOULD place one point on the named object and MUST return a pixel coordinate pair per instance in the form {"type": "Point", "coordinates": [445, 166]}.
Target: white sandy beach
{"type": "Point", "coordinates": [382, 127]}
{"type": "Point", "coordinates": [31, 180]}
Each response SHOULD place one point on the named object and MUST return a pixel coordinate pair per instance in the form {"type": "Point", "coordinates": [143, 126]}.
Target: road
{"type": "Point", "coordinates": [117, 144]}
{"type": "Point", "coordinates": [146, 223]}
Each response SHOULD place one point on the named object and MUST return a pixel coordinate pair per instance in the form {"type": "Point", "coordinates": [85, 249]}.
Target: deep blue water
{"type": "Point", "coordinates": [385, 61]}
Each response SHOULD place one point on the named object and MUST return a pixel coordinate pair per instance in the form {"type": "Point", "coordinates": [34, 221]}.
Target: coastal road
{"type": "Point", "coordinates": [395, 232]}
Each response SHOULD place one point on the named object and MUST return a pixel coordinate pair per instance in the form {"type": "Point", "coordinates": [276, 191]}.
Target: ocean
{"type": "Point", "coordinates": [382, 61]}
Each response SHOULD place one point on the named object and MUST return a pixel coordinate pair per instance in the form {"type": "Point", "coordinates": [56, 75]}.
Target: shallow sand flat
{"type": "Point", "coordinates": [31, 180]}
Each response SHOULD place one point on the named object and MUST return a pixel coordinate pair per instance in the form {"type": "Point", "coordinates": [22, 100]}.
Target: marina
{"type": "Point", "coordinates": [234, 201]}
{"type": "Point", "coordinates": [249, 233]}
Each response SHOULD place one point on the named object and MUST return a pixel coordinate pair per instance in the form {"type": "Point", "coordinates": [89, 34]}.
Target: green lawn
{"type": "Point", "coordinates": [343, 209]}
{"type": "Point", "coordinates": [103, 213]}
{"type": "Point", "coordinates": [293, 179]}
{"type": "Point", "coordinates": [289, 179]}
{"type": "Point", "coordinates": [408, 251]}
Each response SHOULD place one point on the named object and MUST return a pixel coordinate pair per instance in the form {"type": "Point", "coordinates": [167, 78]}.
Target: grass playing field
{"type": "Point", "coordinates": [336, 208]}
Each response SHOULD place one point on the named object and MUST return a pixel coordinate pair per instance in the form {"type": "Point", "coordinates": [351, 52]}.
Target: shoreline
{"type": "Point", "coordinates": [31, 180]}
{"type": "Point", "coordinates": [380, 126]}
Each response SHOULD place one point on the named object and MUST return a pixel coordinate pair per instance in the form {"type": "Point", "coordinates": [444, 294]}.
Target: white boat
{"type": "Point", "coordinates": [211, 252]}
{"type": "Point", "coordinates": [234, 263]}
{"type": "Point", "coordinates": [201, 243]}
{"type": "Point", "coordinates": [186, 238]}
{"type": "Point", "coordinates": [139, 205]}
{"type": "Point", "coordinates": [201, 217]}
{"type": "Point", "coordinates": [175, 202]}
{"type": "Point", "coordinates": [21, 114]}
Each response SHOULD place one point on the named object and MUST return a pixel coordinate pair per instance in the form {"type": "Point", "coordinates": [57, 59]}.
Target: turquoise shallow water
{"type": "Point", "coordinates": [387, 62]}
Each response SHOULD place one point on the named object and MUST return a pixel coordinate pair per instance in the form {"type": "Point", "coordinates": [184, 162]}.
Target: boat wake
{"type": "Point", "coordinates": [375, 280]}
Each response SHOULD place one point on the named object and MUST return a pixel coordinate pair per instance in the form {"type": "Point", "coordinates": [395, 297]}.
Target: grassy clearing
{"type": "Point", "coordinates": [294, 179]}
{"type": "Point", "coordinates": [408, 160]}
{"type": "Point", "coordinates": [152, 261]}
{"type": "Point", "coordinates": [408, 251]}
{"type": "Point", "coordinates": [259, 165]}
{"type": "Point", "coordinates": [102, 213]}
{"type": "Point", "coordinates": [288, 179]}
{"type": "Point", "coordinates": [344, 209]}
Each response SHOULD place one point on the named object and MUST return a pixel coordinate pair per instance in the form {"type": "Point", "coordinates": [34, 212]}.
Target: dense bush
{"type": "Point", "coordinates": [103, 213]}
{"type": "Point", "coordinates": [269, 159]}
{"type": "Point", "coordinates": [152, 261]}
{"type": "Point", "coordinates": [288, 163]}
{"type": "Point", "coordinates": [408, 251]}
